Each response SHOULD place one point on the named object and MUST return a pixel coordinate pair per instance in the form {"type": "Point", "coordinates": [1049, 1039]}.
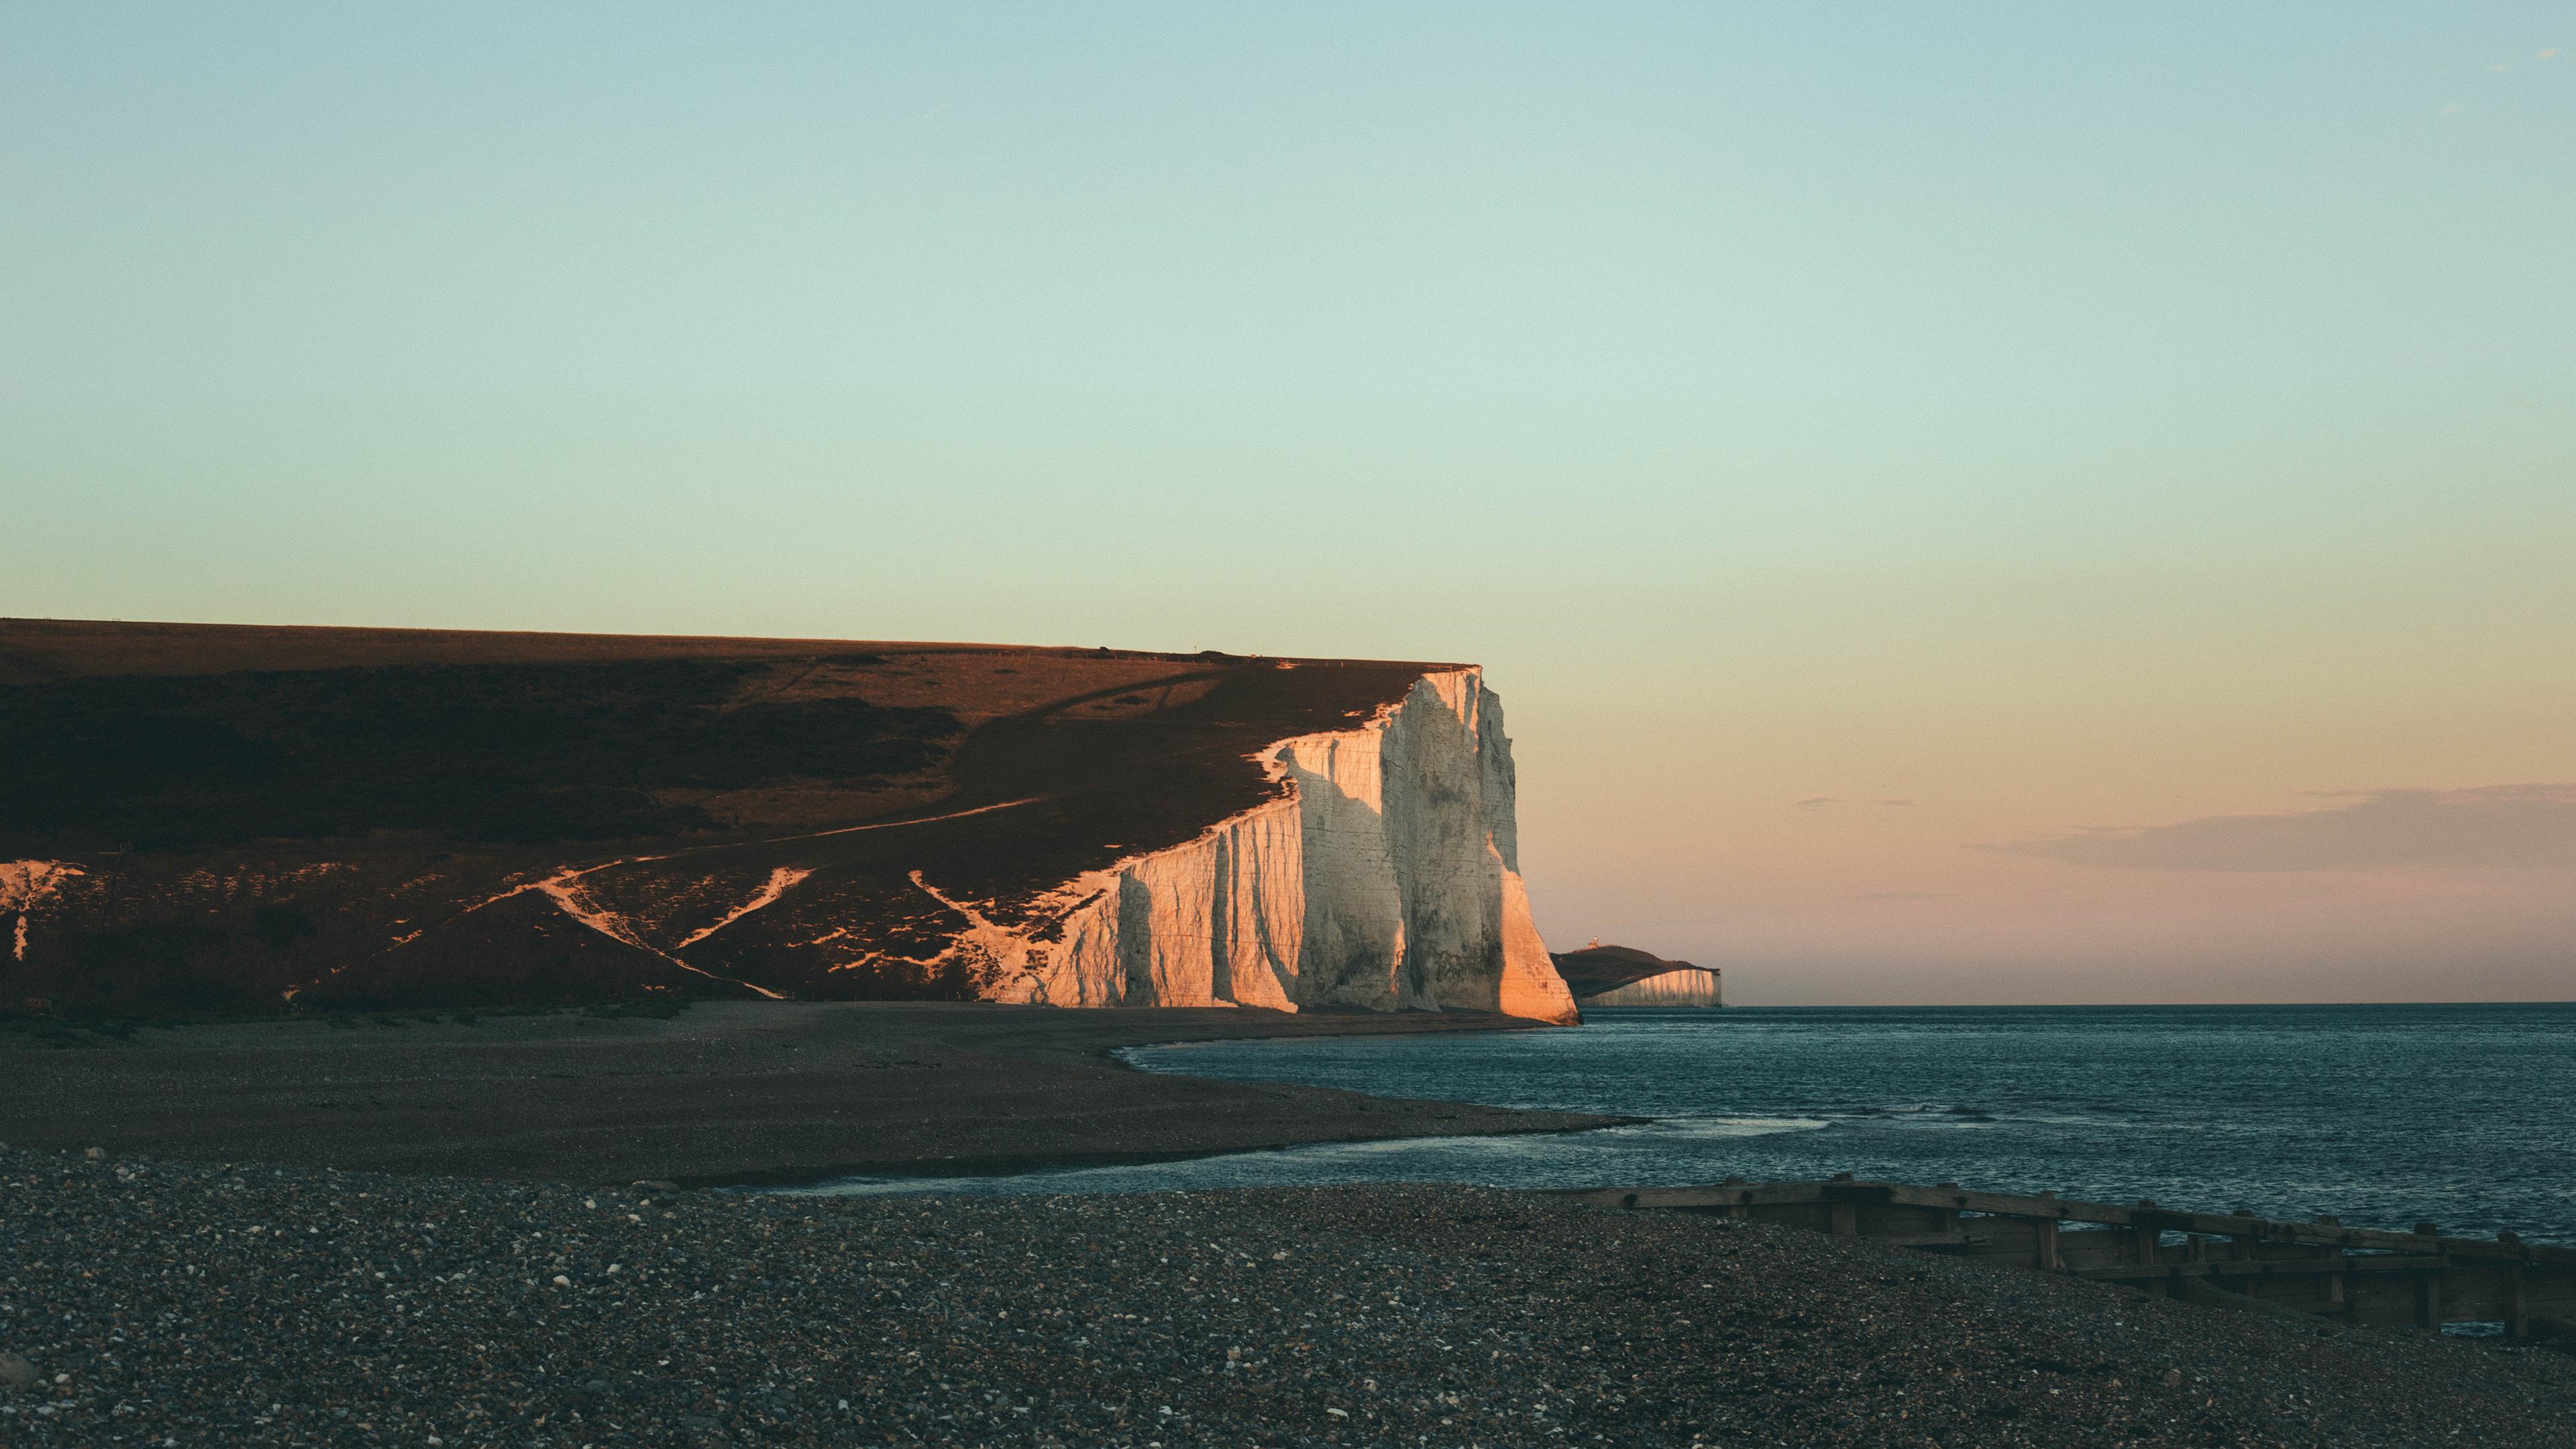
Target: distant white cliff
{"type": "Point", "coordinates": [1695, 986]}
{"type": "Point", "coordinates": [1601, 975]}
{"type": "Point", "coordinates": [1386, 877]}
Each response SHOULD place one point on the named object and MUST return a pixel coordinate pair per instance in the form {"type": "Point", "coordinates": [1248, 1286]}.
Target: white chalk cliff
{"type": "Point", "coordinates": [1385, 876]}
{"type": "Point", "coordinates": [1691, 986]}
{"type": "Point", "coordinates": [23, 885]}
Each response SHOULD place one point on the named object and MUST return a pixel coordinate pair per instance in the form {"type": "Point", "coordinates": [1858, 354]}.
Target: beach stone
{"type": "Point", "coordinates": [655, 1184]}
{"type": "Point", "coordinates": [16, 1372]}
{"type": "Point", "coordinates": [1430, 1316]}
{"type": "Point", "coordinates": [95, 1154]}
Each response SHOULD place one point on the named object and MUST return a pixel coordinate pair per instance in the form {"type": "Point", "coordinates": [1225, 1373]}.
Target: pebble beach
{"type": "Point", "coordinates": [154, 1302]}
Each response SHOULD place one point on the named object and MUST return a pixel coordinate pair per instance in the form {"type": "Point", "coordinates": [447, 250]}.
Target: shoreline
{"type": "Point", "coordinates": [1002, 1167]}
{"type": "Point", "coordinates": [526, 1296]}
{"type": "Point", "coordinates": [193, 1304]}
{"type": "Point", "coordinates": [724, 1094]}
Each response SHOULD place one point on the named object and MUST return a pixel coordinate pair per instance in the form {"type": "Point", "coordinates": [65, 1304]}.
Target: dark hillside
{"type": "Point", "coordinates": [1596, 969]}
{"type": "Point", "coordinates": [228, 819]}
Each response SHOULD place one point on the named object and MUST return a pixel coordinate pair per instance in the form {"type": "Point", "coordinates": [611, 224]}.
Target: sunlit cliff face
{"type": "Point", "coordinates": [236, 819]}
{"type": "Point", "coordinates": [24, 887]}
{"type": "Point", "coordinates": [1386, 877]}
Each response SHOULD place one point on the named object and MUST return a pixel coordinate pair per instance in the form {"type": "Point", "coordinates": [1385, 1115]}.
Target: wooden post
{"type": "Point", "coordinates": [2145, 1239]}
{"type": "Point", "coordinates": [2517, 1311]}
{"type": "Point", "coordinates": [1846, 1220]}
{"type": "Point", "coordinates": [2428, 1286]}
{"type": "Point", "coordinates": [2048, 1246]}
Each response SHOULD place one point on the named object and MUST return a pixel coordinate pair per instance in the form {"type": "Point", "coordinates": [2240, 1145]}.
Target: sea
{"type": "Point", "coordinates": [2386, 1116]}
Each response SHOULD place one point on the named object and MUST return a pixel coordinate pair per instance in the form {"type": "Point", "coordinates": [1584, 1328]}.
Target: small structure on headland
{"type": "Point", "coordinates": [1601, 975]}
{"type": "Point", "coordinates": [2319, 1271]}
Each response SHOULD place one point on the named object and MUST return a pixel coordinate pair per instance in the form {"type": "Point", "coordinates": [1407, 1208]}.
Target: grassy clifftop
{"type": "Point", "coordinates": [231, 819]}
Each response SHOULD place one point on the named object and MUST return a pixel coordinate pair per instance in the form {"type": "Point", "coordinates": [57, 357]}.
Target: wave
{"type": "Point", "coordinates": [1740, 1126]}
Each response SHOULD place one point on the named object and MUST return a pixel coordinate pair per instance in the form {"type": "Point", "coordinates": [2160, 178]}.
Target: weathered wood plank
{"type": "Point", "coordinates": [2281, 1268]}
{"type": "Point", "coordinates": [2230, 1225]}
{"type": "Point", "coordinates": [1931, 1240]}
{"type": "Point", "coordinates": [2323, 1269]}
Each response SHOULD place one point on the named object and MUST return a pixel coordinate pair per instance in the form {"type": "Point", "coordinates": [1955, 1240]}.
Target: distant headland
{"type": "Point", "coordinates": [1601, 975]}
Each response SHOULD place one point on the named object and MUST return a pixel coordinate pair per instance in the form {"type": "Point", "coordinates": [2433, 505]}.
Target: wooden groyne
{"type": "Point", "coordinates": [2321, 1269]}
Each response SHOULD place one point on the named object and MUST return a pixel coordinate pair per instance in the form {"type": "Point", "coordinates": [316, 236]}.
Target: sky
{"type": "Point", "coordinates": [1961, 504]}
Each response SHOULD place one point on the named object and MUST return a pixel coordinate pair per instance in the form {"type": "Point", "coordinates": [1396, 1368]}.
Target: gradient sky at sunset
{"type": "Point", "coordinates": [2037, 503]}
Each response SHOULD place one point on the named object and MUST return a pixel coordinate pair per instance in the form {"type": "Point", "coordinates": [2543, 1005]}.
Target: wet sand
{"type": "Point", "coordinates": [725, 1093]}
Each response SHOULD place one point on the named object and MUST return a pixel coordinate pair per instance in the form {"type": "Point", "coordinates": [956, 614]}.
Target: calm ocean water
{"type": "Point", "coordinates": [2386, 1115]}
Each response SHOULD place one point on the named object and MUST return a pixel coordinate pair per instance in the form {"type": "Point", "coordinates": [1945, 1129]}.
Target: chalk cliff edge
{"type": "Point", "coordinates": [1386, 877]}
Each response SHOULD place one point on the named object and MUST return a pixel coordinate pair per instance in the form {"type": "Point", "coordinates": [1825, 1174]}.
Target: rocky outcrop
{"type": "Point", "coordinates": [24, 885]}
{"type": "Point", "coordinates": [1386, 876]}
{"type": "Point", "coordinates": [224, 820]}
